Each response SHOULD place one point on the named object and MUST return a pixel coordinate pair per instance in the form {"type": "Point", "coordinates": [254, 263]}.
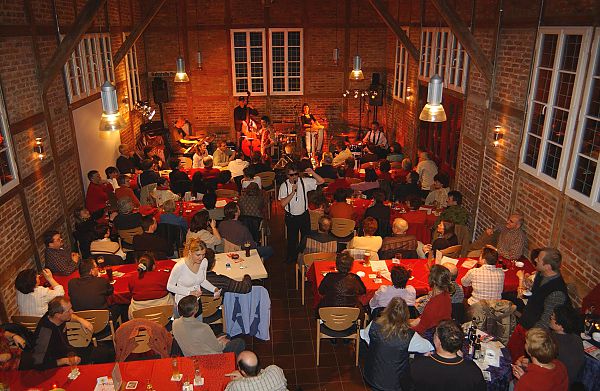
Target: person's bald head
{"type": "Point", "coordinates": [452, 268]}
{"type": "Point", "coordinates": [248, 364]}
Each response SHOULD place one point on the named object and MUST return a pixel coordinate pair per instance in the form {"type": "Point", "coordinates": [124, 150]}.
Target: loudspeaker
{"type": "Point", "coordinates": [376, 86]}
{"type": "Point", "coordinates": [375, 78]}
{"type": "Point", "coordinates": [160, 90]}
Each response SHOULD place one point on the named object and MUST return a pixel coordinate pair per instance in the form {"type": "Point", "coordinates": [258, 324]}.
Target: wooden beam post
{"type": "Point", "coordinates": [381, 9]}
{"type": "Point", "coordinates": [465, 37]}
{"type": "Point", "coordinates": [137, 32]}
{"type": "Point", "coordinates": [68, 44]}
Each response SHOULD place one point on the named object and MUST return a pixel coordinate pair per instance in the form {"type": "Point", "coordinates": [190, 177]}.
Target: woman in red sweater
{"type": "Point", "coordinates": [439, 306]}
{"type": "Point", "coordinates": [149, 288]}
{"type": "Point", "coordinates": [544, 372]}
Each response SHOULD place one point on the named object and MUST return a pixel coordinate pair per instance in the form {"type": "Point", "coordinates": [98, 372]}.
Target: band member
{"type": "Point", "coordinates": [313, 129]}
{"type": "Point", "coordinates": [242, 113]}
{"type": "Point", "coordinates": [376, 136]}
{"type": "Point", "coordinates": [267, 134]}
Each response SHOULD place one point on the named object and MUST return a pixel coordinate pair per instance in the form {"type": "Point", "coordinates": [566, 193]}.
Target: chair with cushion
{"type": "Point", "coordinates": [29, 322]}
{"type": "Point", "coordinates": [226, 193]}
{"type": "Point", "coordinates": [160, 314]}
{"type": "Point", "coordinates": [212, 310]}
{"type": "Point", "coordinates": [267, 180]}
{"type": "Point", "coordinates": [338, 322]}
{"type": "Point", "coordinates": [309, 259]}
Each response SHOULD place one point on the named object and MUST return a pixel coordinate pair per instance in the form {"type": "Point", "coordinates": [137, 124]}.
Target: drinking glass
{"type": "Point", "coordinates": [367, 258]}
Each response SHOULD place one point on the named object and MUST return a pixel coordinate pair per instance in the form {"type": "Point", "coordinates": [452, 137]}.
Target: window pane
{"type": "Point", "coordinates": [239, 39]}
{"type": "Point", "coordinates": [543, 85]}
{"type": "Point", "coordinates": [241, 85]}
{"type": "Point", "coordinates": [256, 39]}
{"type": "Point", "coordinates": [278, 69]}
{"type": "Point", "coordinates": [278, 54]}
{"type": "Point", "coordinates": [571, 47]}
{"type": "Point", "coordinates": [257, 85]}
{"type": "Point", "coordinates": [594, 106]}
{"type": "Point", "coordinates": [278, 84]}
{"type": "Point", "coordinates": [549, 42]}
{"type": "Point", "coordinates": [533, 151]}
{"type": "Point", "coordinates": [6, 175]}
{"type": "Point", "coordinates": [590, 141]}
{"type": "Point", "coordinates": [256, 69]}
{"type": "Point", "coordinates": [278, 38]}
{"type": "Point", "coordinates": [564, 89]}
{"type": "Point", "coordinates": [294, 54]}
{"type": "Point", "coordinates": [584, 175]}
{"type": "Point", "coordinates": [558, 126]}
{"type": "Point", "coordinates": [256, 54]}
{"type": "Point", "coordinates": [294, 84]}
{"type": "Point", "coordinates": [241, 70]}
{"type": "Point", "coordinates": [537, 119]}
{"type": "Point", "coordinates": [552, 160]}
{"type": "Point", "coordinates": [294, 69]}
{"type": "Point", "coordinates": [294, 38]}
{"type": "Point", "coordinates": [240, 55]}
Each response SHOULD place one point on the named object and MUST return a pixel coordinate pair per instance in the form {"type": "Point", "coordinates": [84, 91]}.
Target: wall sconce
{"type": "Point", "coordinates": [38, 148]}
{"type": "Point", "coordinates": [497, 135]}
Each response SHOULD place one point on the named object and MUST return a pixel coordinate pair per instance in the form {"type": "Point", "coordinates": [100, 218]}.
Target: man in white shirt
{"type": "Point", "coordinates": [343, 153]}
{"type": "Point", "coordinates": [426, 169]}
{"type": "Point", "coordinates": [294, 200]}
{"type": "Point", "coordinates": [237, 166]}
{"type": "Point", "coordinates": [487, 280]}
{"type": "Point", "coordinates": [376, 136]}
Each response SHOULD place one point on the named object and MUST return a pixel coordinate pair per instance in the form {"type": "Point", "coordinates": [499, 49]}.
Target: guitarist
{"type": "Point", "coordinates": [242, 114]}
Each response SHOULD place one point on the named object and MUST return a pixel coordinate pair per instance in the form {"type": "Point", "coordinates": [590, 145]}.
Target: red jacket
{"type": "Point", "coordinates": [97, 196]}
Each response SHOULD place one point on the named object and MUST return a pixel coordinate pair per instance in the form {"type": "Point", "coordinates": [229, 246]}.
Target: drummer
{"type": "Point", "coordinates": [313, 129]}
{"type": "Point", "coordinates": [376, 136]}
{"type": "Point", "coordinates": [267, 134]}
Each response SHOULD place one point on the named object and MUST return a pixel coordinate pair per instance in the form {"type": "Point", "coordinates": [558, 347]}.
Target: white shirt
{"type": "Point", "coordinates": [386, 293]}
{"type": "Point", "coordinates": [378, 138]}
{"type": "Point", "coordinates": [256, 179]}
{"type": "Point", "coordinates": [237, 167]}
{"type": "Point", "coordinates": [371, 243]}
{"type": "Point", "coordinates": [198, 160]}
{"type": "Point", "coordinates": [183, 281]}
{"type": "Point", "coordinates": [426, 169]}
{"type": "Point", "coordinates": [36, 302]}
{"type": "Point", "coordinates": [417, 343]}
{"type": "Point", "coordinates": [299, 202]}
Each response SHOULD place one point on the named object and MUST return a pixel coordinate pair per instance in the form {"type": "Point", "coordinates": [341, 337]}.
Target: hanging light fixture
{"type": "Point", "coordinates": [357, 73]}
{"type": "Point", "coordinates": [111, 118]}
{"type": "Point", "coordinates": [180, 75]}
{"type": "Point", "coordinates": [198, 53]}
{"type": "Point", "coordinates": [336, 51]}
{"type": "Point", "coordinates": [433, 110]}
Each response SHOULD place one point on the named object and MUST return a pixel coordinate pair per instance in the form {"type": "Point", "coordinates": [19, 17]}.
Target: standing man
{"type": "Point", "coordinates": [426, 169]}
{"type": "Point", "coordinates": [313, 130]}
{"type": "Point", "coordinates": [294, 200]}
{"type": "Point", "coordinates": [376, 136]}
{"type": "Point", "coordinates": [242, 112]}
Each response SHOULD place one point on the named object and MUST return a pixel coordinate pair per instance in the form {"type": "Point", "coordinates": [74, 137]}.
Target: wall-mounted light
{"type": "Point", "coordinates": [409, 93]}
{"type": "Point", "coordinates": [199, 59]}
{"type": "Point", "coordinates": [336, 56]}
{"type": "Point", "coordinates": [433, 110]}
{"type": "Point", "coordinates": [111, 118]}
{"type": "Point", "coordinates": [38, 148]}
{"type": "Point", "coordinates": [497, 135]}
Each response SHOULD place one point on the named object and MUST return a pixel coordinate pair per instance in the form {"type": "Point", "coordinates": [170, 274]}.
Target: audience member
{"type": "Point", "coordinates": [386, 293]}
{"type": "Point", "coordinates": [97, 195]}
{"type": "Point", "coordinates": [149, 241]}
{"type": "Point", "coordinates": [405, 168]}
{"type": "Point", "coordinates": [343, 153]}
{"type": "Point", "coordinates": [222, 156]}
{"type": "Point", "coordinates": [237, 166]}
{"type": "Point", "coordinates": [124, 190]}
{"type": "Point", "coordinates": [11, 347]}
{"type": "Point", "coordinates": [384, 171]}
{"type": "Point", "coordinates": [127, 162]}
{"type": "Point", "coordinates": [58, 259]}
{"type": "Point", "coordinates": [438, 196]}
{"type": "Point", "coordinates": [369, 183]}
{"type": "Point", "coordinates": [250, 377]}
{"type": "Point", "coordinates": [439, 306]}
{"type": "Point", "coordinates": [342, 288]}
{"type": "Point", "coordinates": [148, 175]}
{"type": "Point", "coordinates": [234, 231]}
{"type": "Point", "coordinates": [257, 163]}
{"type": "Point", "coordinates": [252, 201]}
{"type": "Point", "coordinates": [565, 324]}
{"type": "Point", "coordinates": [149, 287]}
{"type": "Point", "coordinates": [204, 228]}
{"type": "Point", "coordinates": [320, 241]}
{"type": "Point", "coordinates": [32, 297]}
{"type": "Point", "coordinates": [445, 238]}
{"type": "Point", "coordinates": [381, 213]}
{"type": "Point", "coordinates": [126, 218]}
{"type": "Point", "coordinates": [169, 217]}
{"type": "Point", "coordinates": [210, 204]}
{"type": "Point", "coordinates": [426, 169]}
{"type": "Point", "coordinates": [327, 170]}
{"type": "Point", "coordinates": [457, 294]}
{"type": "Point", "coordinates": [208, 172]}
{"type": "Point", "coordinates": [399, 242]}
{"type": "Point", "coordinates": [112, 173]}
{"type": "Point", "coordinates": [339, 183]}
{"type": "Point", "coordinates": [176, 174]}
{"type": "Point", "coordinates": [90, 292]}
{"type": "Point", "coordinates": [250, 177]}
{"type": "Point", "coordinates": [369, 241]}
{"type": "Point", "coordinates": [487, 280]}
{"type": "Point", "coordinates": [200, 152]}
{"type": "Point", "coordinates": [454, 212]}
{"type": "Point", "coordinates": [85, 228]}
{"type": "Point", "coordinates": [340, 208]}
{"type": "Point", "coordinates": [349, 165]}
{"type": "Point", "coordinates": [408, 190]}
{"type": "Point", "coordinates": [224, 283]}
{"type": "Point", "coordinates": [103, 244]}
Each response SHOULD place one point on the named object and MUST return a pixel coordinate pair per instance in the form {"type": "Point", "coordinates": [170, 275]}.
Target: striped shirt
{"type": "Point", "coordinates": [36, 302]}
{"type": "Point", "coordinates": [271, 378]}
{"type": "Point", "coordinates": [487, 282]}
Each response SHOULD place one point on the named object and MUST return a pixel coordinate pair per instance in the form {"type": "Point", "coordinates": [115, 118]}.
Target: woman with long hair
{"type": "Point", "coordinates": [205, 229]}
{"type": "Point", "coordinates": [439, 306]}
{"type": "Point", "coordinates": [390, 340]}
{"type": "Point", "coordinates": [32, 297]}
{"type": "Point", "coordinates": [444, 238]}
{"type": "Point", "coordinates": [149, 287]}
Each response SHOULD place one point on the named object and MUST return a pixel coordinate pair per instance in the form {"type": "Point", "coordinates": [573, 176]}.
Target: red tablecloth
{"type": "Point", "coordinates": [419, 222]}
{"type": "Point", "coordinates": [213, 368]}
{"type": "Point", "coordinates": [420, 276]}
{"type": "Point", "coordinates": [121, 293]}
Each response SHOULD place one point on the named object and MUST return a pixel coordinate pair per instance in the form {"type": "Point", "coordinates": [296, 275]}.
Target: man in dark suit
{"type": "Point", "coordinates": [381, 213]}
{"type": "Point", "coordinates": [149, 241]}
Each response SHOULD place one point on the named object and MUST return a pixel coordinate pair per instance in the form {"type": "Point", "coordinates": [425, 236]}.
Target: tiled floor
{"type": "Point", "coordinates": [293, 338]}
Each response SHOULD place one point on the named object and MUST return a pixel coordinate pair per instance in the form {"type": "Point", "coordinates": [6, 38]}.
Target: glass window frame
{"type": "Point", "coordinates": [399, 87]}
{"type": "Point", "coordinates": [8, 148]}
{"type": "Point", "coordinates": [286, 76]}
{"type": "Point", "coordinates": [248, 62]}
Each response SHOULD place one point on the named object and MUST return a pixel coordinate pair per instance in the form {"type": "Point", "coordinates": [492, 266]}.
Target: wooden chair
{"type": "Point", "coordinates": [307, 260]}
{"type": "Point", "coordinates": [77, 336]}
{"type": "Point", "coordinates": [267, 180]}
{"type": "Point", "coordinates": [160, 314]}
{"type": "Point", "coordinates": [126, 236]}
{"type": "Point", "coordinates": [99, 320]}
{"type": "Point", "coordinates": [29, 322]}
{"type": "Point", "coordinates": [230, 247]}
{"type": "Point", "coordinates": [226, 193]}
{"type": "Point", "coordinates": [338, 322]}
{"type": "Point", "coordinates": [343, 229]}
{"type": "Point", "coordinates": [452, 251]}
{"type": "Point", "coordinates": [212, 310]}
{"type": "Point", "coordinates": [315, 215]}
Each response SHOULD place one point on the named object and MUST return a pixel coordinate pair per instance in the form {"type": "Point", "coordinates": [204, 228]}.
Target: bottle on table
{"type": "Point", "coordinates": [477, 351]}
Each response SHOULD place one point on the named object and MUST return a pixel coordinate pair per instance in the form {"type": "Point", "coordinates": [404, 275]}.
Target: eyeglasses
{"type": "Point", "coordinates": [293, 174]}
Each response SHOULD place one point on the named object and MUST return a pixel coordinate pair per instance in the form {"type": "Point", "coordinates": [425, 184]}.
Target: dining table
{"type": "Point", "coordinates": [235, 265]}
{"type": "Point", "coordinates": [419, 275]}
{"type": "Point", "coordinates": [149, 374]}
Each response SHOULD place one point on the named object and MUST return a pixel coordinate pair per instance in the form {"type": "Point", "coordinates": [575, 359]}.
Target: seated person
{"type": "Point", "coordinates": [340, 208]}
{"type": "Point", "coordinates": [384, 171]}
{"type": "Point", "coordinates": [148, 175]}
{"type": "Point", "coordinates": [103, 244]}
{"type": "Point", "coordinates": [149, 287]}
{"type": "Point", "coordinates": [84, 230]}
{"type": "Point", "coordinates": [370, 182]}
{"type": "Point", "coordinates": [224, 283]}
{"type": "Point", "coordinates": [250, 377]}
{"type": "Point", "coordinates": [89, 292]}
{"type": "Point", "coordinates": [112, 173]}
{"type": "Point", "coordinates": [236, 232]}
{"type": "Point", "coordinates": [200, 186]}
{"type": "Point", "coordinates": [350, 171]}
{"type": "Point", "coordinates": [510, 238]}
{"type": "Point", "coordinates": [386, 293]}
{"type": "Point", "coordinates": [200, 152]}
{"type": "Point", "coordinates": [51, 348]}
{"type": "Point", "coordinates": [439, 306]}
{"type": "Point", "coordinates": [127, 162]}
{"type": "Point", "coordinates": [544, 372]}
{"type": "Point", "coordinates": [445, 238]}
{"type": "Point", "coordinates": [565, 324]}
{"type": "Point", "coordinates": [257, 163]}
{"type": "Point", "coordinates": [169, 217]}
{"type": "Point", "coordinates": [446, 366]}
{"type": "Point", "coordinates": [10, 355]}
{"type": "Point", "coordinates": [222, 156]}
{"type": "Point", "coordinates": [404, 191]}
{"type": "Point", "coordinates": [438, 195]}
{"type": "Point", "coordinates": [205, 229]}
{"type": "Point", "coordinates": [59, 260]}
{"type": "Point", "coordinates": [252, 202]}
{"type": "Point", "coordinates": [381, 213]}
{"type": "Point", "coordinates": [399, 242]}
{"type": "Point", "coordinates": [320, 241]}
{"type": "Point", "coordinates": [236, 166]}
{"type": "Point", "coordinates": [195, 337]}
{"type": "Point", "coordinates": [97, 195]}
{"type": "Point", "coordinates": [395, 154]}
{"type": "Point", "coordinates": [176, 174]}
{"type": "Point", "coordinates": [162, 194]}
{"type": "Point", "coordinates": [124, 190]}
{"type": "Point", "coordinates": [342, 288]}
{"type": "Point", "coordinates": [208, 172]}
{"type": "Point", "coordinates": [326, 170]}
{"type": "Point", "coordinates": [369, 154]}
{"type": "Point", "coordinates": [399, 176]}
{"type": "Point", "coordinates": [33, 298]}
{"type": "Point", "coordinates": [487, 280]}
{"type": "Point", "coordinates": [210, 201]}
{"type": "Point", "coordinates": [343, 153]}
{"type": "Point", "coordinates": [340, 181]}
{"type": "Point", "coordinates": [149, 241]}
{"type": "Point", "coordinates": [250, 177]}
{"type": "Point", "coordinates": [369, 241]}
{"type": "Point", "coordinates": [454, 212]}
{"type": "Point", "coordinates": [126, 218]}
{"type": "Point", "coordinates": [457, 293]}
{"type": "Point", "coordinates": [316, 200]}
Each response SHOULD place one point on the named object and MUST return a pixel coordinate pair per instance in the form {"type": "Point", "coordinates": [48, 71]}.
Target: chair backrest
{"type": "Point", "coordinates": [315, 215]}
{"type": "Point", "coordinates": [210, 305]}
{"type": "Point", "coordinates": [98, 318]}
{"type": "Point", "coordinates": [226, 193]}
{"type": "Point", "coordinates": [160, 314]}
{"type": "Point", "coordinates": [339, 318]}
{"type": "Point", "coordinates": [309, 259]}
{"type": "Point", "coordinates": [29, 322]}
{"type": "Point", "coordinates": [314, 246]}
{"type": "Point", "coordinates": [341, 227]}
{"type": "Point", "coordinates": [173, 234]}
{"type": "Point", "coordinates": [77, 336]}
{"type": "Point", "coordinates": [185, 162]}
{"type": "Point", "coordinates": [142, 340]}
{"type": "Point", "coordinates": [464, 238]}
{"type": "Point", "coordinates": [452, 251]}
{"type": "Point", "coordinates": [267, 179]}
{"type": "Point", "coordinates": [229, 247]}
{"type": "Point", "coordinates": [127, 235]}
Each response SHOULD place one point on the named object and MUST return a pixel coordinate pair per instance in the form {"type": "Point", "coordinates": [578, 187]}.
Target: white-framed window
{"type": "Point", "coordinates": [89, 66]}
{"type": "Point", "coordinates": [442, 54]}
{"type": "Point", "coordinates": [400, 71]}
{"type": "Point", "coordinates": [133, 77]}
{"type": "Point", "coordinates": [553, 105]}
{"type": "Point", "coordinates": [8, 168]}
{"type": "Point", "coordinates": [248, 61]}
{"type": "Point", "coordinates": [584, 173]}
{"type": "Point", "coordinates": [286, 61]}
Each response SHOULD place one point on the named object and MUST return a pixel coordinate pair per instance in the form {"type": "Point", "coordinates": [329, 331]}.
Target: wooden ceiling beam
{"type": "Point", "coordinates": [462, 32]}
{"type": "Point", "coordinates": [393, 25]}
{"type": "Point", "coordinates": [67, 45]}
{"type": "Point", "coordinates": [137, 32]}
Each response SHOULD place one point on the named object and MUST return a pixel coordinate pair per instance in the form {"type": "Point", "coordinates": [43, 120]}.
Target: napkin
{"type": "Point", "coordinates": [468, 264]}
{"type": "Point", "coordinates": [220, 203]}
{"type": "Point", "coordinates": [446, 259]}
{"type": "Point", "coordinates": [379, 266]}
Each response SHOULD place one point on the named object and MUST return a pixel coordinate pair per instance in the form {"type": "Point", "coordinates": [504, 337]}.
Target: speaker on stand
{"type": "Point", "coordinates": [376, 94]}
{"type": "Point", "coordinates": [160, 92]}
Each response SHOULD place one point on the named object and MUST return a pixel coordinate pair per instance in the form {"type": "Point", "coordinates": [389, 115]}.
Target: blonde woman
{"type": "Point", "coordinates": [189, 274]}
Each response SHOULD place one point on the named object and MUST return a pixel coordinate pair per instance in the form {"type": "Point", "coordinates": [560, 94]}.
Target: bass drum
{"type": "Point", "coordinates": [249, 146]}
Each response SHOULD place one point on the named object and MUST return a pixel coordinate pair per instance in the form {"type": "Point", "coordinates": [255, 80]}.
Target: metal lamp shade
{"type": "Point", "coordinates": [181, 76]}
{"type": "Point", "coordinates": [357, 73]}
{"type": "Point", "coordinates": [111, 120]}
{"type": "Point", "coordinates": [433, 110]}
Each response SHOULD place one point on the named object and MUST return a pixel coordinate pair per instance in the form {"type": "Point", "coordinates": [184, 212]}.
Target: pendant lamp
{"type": "Point", "coordinates": [111, 120]}
{"type": "Point", "coordinates": [433, 110]}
